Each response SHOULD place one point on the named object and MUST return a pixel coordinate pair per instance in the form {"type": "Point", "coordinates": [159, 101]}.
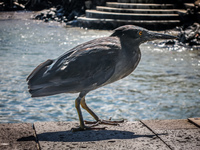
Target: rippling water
{"type": "Point", "coordinates": [165, 85]}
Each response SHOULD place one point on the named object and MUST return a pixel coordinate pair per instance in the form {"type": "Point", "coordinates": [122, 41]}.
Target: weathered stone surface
{"type": "Point", "coordinates": [18, 136]}
{"type": "Point", "coordinates": [129, 135]}
{"type": "Point", "coordinates": [147, 134]}
{"type": "Point", "coordinates": [177, 134]}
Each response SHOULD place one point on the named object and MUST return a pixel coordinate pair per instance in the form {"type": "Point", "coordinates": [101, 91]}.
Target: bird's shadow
{"type": "Point", "coordinates": [87, 136]}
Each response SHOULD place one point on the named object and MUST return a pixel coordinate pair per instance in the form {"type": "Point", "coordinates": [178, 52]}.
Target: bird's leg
{"type": "Point", "coordinates": [98, 121]}
{"type": "Point", "coordinates": [84, 106]}
{"type": "Point", "coordinates": [82, 126]}
{"type": "Point", "coordinates": [77, 105]}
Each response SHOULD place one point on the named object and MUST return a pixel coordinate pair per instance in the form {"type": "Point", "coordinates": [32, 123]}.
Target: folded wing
{"type": "Point", "coordinates": [84, 68]}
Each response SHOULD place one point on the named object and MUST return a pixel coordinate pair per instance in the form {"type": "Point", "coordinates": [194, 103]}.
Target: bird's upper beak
{"type": "Point", "coordinates": [155, 36]}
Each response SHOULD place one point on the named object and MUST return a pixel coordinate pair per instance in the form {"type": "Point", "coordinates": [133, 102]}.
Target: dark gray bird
{"type": "Point", "coordinates": [91, 65]}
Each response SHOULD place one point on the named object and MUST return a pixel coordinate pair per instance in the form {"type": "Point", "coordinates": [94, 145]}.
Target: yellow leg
{"type": "Point", "coordinates": [98, 121]}
{"type": "Point", "coordinates": [81, 100]}
{"type": "Point", "coordinates": [77, 105]}
{"type": "Point", "coordinates": [84, 106]}
{"type": "Point", "coordinates": [82, 124]}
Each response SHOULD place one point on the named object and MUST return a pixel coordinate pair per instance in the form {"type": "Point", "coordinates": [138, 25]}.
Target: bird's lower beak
{"type": "Point", "coordinates": [155, 36]}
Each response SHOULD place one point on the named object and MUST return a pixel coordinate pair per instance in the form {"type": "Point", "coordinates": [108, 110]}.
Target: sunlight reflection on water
{"type": "Point", "coordinates": [165, 84]}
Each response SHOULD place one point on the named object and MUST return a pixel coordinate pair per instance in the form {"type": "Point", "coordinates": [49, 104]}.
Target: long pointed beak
{"type": "Point", "coordinates": [155, 36]}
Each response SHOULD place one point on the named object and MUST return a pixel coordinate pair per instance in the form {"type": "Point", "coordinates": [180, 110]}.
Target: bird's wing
{"type": "Point", "coordinates": [88, 64]}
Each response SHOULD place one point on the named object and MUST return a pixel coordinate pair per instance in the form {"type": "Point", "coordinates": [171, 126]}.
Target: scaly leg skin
{"type": "Point", "coordinates": [82, 126]}
{"type": "Point", "coordinates": [98, 121]}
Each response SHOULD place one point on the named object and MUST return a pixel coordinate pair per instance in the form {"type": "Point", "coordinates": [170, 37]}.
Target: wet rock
{"type": "Point", "coordinates": [188, 37]}
{"type": "Point", "coordinates": [11, 6]}
{"type": "Point", "coordinates": [64, 12]}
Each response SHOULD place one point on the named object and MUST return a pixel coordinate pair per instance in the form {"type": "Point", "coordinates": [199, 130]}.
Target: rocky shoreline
{"type": "Point", "coordinates": [52, 10]}
{"type": "Point", "coordinates": [68, 11]}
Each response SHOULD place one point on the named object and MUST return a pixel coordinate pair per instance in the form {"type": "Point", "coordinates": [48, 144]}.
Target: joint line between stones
{"type": "Point", "coordinates": [37, 141]}
{"type": "Point", "coordinates": [156, 135]}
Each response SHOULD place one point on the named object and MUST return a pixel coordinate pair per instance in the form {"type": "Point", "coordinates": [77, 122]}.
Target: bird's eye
{"type": "Point", "coordinates": [140, 33]}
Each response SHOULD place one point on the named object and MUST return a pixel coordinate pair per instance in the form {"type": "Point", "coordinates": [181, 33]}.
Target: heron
{"type": "Point", "coordinates": [92, 65]}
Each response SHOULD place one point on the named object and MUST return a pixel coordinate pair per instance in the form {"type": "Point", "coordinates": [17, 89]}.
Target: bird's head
{"type": "Point", "coordinates": [138, 34]}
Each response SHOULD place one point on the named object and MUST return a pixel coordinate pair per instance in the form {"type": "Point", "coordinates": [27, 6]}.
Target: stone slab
{"type": "Point", "coordinates": [18, 136]}
{"type": "Point", "coordinates": [195, 121]}
{"type": "Point", "coordinates": [177, 134]}
{"type": "Point", "coordinates": [96, 23]}
{"type": "Point", "coordinates": [140, 5]}
{"type": "Point", "coordinates": [129, 135]}
{"type": "Point", "coordinates": [130, 16]}
{"type": "Point", "coordinates": [144, 11]}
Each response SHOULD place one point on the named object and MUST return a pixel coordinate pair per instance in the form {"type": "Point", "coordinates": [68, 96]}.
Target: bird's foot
{"type": "Point", "coordinates": [107, 122]}
{"type": "Point", "coordinates": [87, 128]}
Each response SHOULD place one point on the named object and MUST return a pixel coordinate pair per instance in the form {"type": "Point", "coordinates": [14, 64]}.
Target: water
{"type": "Point", "coordinates": [165, 84]}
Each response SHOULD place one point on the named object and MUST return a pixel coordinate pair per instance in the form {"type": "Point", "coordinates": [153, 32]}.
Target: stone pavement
{"type": "Point", "coordinates": [140, 135]}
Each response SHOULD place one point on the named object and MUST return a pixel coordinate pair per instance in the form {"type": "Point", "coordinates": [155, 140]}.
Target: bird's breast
{"type": "Point", "coordinates": [125, 66]}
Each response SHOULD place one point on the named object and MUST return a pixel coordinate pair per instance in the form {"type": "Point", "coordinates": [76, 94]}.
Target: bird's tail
{"type": "Point", "coordinates": [35, 78]}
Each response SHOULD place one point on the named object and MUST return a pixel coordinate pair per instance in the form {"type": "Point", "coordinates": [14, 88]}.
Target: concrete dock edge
{"type": "Point", "coordinates": [145, 134]}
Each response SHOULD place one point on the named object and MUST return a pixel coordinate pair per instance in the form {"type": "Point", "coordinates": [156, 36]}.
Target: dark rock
{"type": "Point", "coordinates": [188, 37]}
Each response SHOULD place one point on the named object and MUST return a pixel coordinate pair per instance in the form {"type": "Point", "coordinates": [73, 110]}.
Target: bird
{"type": "Point", "coordinates": [91, 65]}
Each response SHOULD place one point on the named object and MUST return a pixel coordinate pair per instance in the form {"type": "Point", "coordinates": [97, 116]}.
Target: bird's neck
{"type": "Point", "coordinates": [130, 47]}
{"type": "Point", "coordinates": [132, 53]}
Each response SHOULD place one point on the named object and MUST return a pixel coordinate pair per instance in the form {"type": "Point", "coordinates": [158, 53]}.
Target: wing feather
{"type": "Point", "coordinates": [85, 67]}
